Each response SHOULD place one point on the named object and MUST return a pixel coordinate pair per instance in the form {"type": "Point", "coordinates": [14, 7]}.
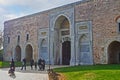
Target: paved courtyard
{"type": "Point", "coordinates": [26, 75]}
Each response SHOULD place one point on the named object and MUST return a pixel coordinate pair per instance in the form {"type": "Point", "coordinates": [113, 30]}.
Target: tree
{"type": "Point", "coordinates": [1, 39]}
{"type": "Point", "coordinates": [1, 55]}
{"type": "Point", "coordinates": [1, 45]}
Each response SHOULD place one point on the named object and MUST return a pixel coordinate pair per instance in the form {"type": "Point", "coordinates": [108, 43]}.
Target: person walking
{"type": "Point", "coordinates": [12, 65]}
{"type": "Point", "coordinates": [12, 68]}
{"type": "Point", "coordinates": [43, 64]}
{"type": "Point", "coordinates": [35, 65]}
{"type": "Point", "coordinates": [31, 63]}
{"type": "Point", "coordinates": [39, 63]}
{"type": "Point", "coordinates": [23, 64]}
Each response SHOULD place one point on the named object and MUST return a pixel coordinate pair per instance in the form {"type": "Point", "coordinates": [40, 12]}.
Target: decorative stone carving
{"type": "Point", "coordinates": [43, 33]}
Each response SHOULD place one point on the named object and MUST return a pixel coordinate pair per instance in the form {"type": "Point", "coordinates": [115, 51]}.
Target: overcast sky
{"type": "Point", "coordinates": [10, 9]}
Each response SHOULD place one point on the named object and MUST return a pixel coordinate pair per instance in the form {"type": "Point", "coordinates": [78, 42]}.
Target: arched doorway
{"type": "Point", "coordinates": [29, 52]}
{"type": "Point", "coordinates": [18, 53]}
{"type": "Point", "coordinates": [61, 32]}
{"type": "Point", "coordinates": [43, 51]}
{"type": "Point", "coordinates": [114, 52]}
{"type": "Point", "coordinates": [66, 50]}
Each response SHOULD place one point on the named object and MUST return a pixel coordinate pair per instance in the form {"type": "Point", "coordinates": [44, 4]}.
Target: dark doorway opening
{"type": "Point", "coordinates": [66, 52]}
{"type": "Point", "coordinates": [114, 53]}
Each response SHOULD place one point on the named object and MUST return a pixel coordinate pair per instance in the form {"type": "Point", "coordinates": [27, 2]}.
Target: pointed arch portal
{"type": "Point", "coordinates": [29, 52]}
{"type": "Point", "coordinates": [62, 44]}
{"type": "Point", "coordinates": [18, 53]}
{"type": "Point", "coordinates": [43, 51]}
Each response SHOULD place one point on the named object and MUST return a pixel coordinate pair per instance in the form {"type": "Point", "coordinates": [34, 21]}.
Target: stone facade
{"type": "Point", "coordinates": [86, 29]}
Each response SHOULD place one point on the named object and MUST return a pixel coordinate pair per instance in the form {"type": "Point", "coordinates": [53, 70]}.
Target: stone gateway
{"type": "Point", "coordinates": [82, 33]}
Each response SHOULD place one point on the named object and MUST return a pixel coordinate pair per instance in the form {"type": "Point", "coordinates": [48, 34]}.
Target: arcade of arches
{"type": "Point", "coordinates": [114, 52]}
{"type": "Point", "coordinates": [28, 51]}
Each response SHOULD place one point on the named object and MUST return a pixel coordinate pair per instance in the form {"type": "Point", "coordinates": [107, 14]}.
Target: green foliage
{"type": "Point", "coordinates": [95, 72]}
{"type": "Point", "coordinates": [0, 64]}
{"type": "Point", "coordinates": [1, 51]}
{"type": "Point", "coordinates": [6, 64]}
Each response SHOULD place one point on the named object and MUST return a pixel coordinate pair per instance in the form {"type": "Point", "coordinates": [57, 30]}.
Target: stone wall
{"type": "Point", "coordinates": [102, 13]}
{"type": "Point", "coordinates": [22, 26]}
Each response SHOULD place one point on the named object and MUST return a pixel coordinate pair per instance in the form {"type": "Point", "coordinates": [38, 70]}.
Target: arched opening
{"type": "Point", "coordinates": [29, 52]}
{"type": "Point", "coordinates": [43, 51]}
{"type": "Point", "coordinates": [114, 52]}
{"type": "Point", "coordinates": [61, 32]}
{"type": "Point", "coordinates": [18, 53]}
{"type": "Point", "coordinates": [66, 50]}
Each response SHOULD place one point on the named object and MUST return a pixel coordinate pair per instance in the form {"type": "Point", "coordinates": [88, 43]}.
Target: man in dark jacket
{"type": "Point", "coordinates": [12, 65]}
{"type": "Point", "coordinates": [31, 63]}
{"type": "Point", "coordinates": [12, 68]}
{"type": "Point", "coordinates": [23, 64]}
{"type": "Point", "coordinates": [39, 63]}
{"type": "Point", "coordinates": [43, 64]}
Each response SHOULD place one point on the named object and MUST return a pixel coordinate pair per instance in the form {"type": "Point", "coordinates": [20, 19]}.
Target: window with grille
{"type": "Point", "coordinates": [18, 38]}
{"type": "Point", "coordinates": [27, 37]}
